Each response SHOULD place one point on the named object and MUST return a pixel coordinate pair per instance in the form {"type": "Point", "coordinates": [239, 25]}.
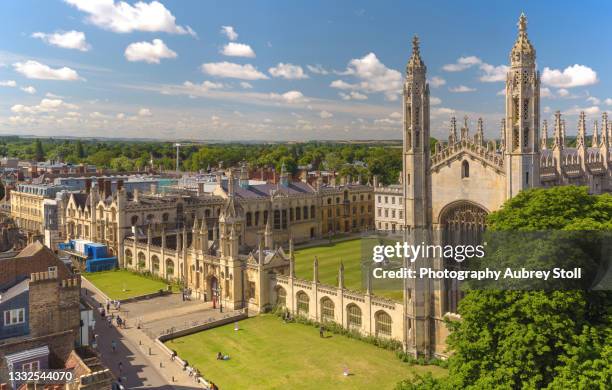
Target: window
{"type": "Point", "coordinates": [327, 310]}
{"type": "Point", "coordinates": [53, 269]}
{"type": "Point", "coordinates": [281, 296]}
{"type": "Point", "coordinates": [277, 219]}
{"type": "Point", "coordinates": [302, 303]}
{"type": "Point", "coordinates": [256, 218]}
{"type": "Point", "coordinates": [169, 268]}
{"type": "Point", "coordinates": [31, 366]}
{"type": "Point", "coordinates": [155, 261]}
{"type": "Point", "coordinates": [252, 290]}
{"type": "Point", "coordinates": [305, 212]}
{"type": "Point", "coordinates": [14, 317]}
{"type": "Point", "coordinates": [527, 178]}
{"type": "Point", "coordinates": [128, 257]}
{"type": "Point", "coordinates": [383, 324]}
{"type": "Point", "coordinates": [465, 169]}
{"type": "Point", "coordinates": [249, 219]}
{"type": "Point", "coordinates": [393, 200]}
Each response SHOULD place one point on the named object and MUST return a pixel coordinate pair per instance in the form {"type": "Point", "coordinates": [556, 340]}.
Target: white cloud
{"type": "Point", "coordinates": [592, 110]}
{"type": "Point", "coordinates": [502, 92]}
{"type": "Point", "coordinates": [437, 82]}
{"type": "Point", "coordinates": [45, 105]}
{"type": "Point", "coordinates": [608, 102]}
{"type": "Point", "coordinates": [229, 32]}
{"type": "Point", "coordinates": [120, 116]}
{"type": "Point", "coordinates": [144, 112]}
{"type": "Point", "coordinates": [205, 86]}
{"type": "Point", "coordinates": [325, 114]}
{"type": "Point", "coordinates": [150, 52]}
{"type": "Point", "coordinates": [563, 92]}
{"type": "Point", "coordinates": [352, 95]}
{"type": "Point", "coordinates": [434, 101]}
{"type": "Point", "coordinates": [246, 85]}
{"type": "Point", "coordinates": [373, 77]}
{"type": "Point", "coordinates": [462, 63]}
{"type": "Point", "coordinates": [288, 71]}
{"type": "Point", "coordinates": [52, 95]}
{"type": "Point", "coordinates": [232, 70]}
{"type": "Point", "coordinates": [395, 115]}
{"type": "Point", "coordinates": [289, 97]}
{"type": "Point", "coordinates": [65, 39]}
{"type": "Point", "coordinates": [8, 83]}
{"type": "Point", "coordinates": [234, 49]}
{"type": "Point", "coordinates": [29, 89]}
{"type": "Point", "coordinates": [461, 89]}
{"type": "Point", "coordinates": [572, 76]}
{"type": "Point", "coordinates": [97, 115]}
{"type": "Point", "coordinates": [547, 109]}
{"type": "Point", "coordinates": [317, 69]}
{"type": "Point", "coordinates": [122, 17]}
{"type": "Point", "coordinates": [35, 70]}
{"type": "Point", "coordinates": [491, 73]}
{"type": "Point", "coordinates": [545, 92]}
{"type": "Point", "coordinates": [593, 100]}
{"type": "Point", "coordinates": [442, 111]}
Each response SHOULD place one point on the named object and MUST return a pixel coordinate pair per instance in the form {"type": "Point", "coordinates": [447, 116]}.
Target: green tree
{"type": "Point", "coordinates": [80, 152]}
{"type": "Point", "coordinates": [39, 153]}
{"type": "Point", "coordinates": [553, 338]}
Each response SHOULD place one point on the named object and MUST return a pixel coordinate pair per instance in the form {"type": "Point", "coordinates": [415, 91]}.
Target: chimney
{"type": "Point", "coordinates": [200, 189]}
{"type": "Point", "coordinates": [119, 184]}
{"type": "Point", "coordinates": [100, 185]}
{"type": "Point", "coordinates": [87, 186]}
{"type": "Point", "coordinates": [153, 188]}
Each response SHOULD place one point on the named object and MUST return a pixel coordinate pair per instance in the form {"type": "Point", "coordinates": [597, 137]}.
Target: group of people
{"type": "Point", "coordinates": [221, 356]}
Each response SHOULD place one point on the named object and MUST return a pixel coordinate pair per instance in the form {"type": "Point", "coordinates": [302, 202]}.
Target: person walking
{"type": "Point", "coordinates": [114, 346]}
{"type": "Point", "coordinates": [321, 331]}
{"type": "Point", "coordinates": [120, 368]}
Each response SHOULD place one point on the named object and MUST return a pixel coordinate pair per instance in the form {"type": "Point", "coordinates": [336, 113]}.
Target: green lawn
{"type": "Point", "coordinates": [329, 256]}
{"type": "Point", "coordinates": [113, 283]}
{"type": "Point", "coordinates": [267, 353]}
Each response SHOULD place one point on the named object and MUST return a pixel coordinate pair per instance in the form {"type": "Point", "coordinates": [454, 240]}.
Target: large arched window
{"type": "Point", "coordinates": [327, 310]}
{"type": "Point", "coordinates": [249, 218]}
{"type": "Point", "coordinates": [128, 257]}
{"type": "Point", "coordinates": [281, 296]}
{"type": "Point", "coordinates": [353, 316]}
{"type": "Point", "coordinates": [465, 169]}
{"type": "Point", "coordinates": [305, 212]}
{"type": "Point", "coordinates": [277, 219]}
{"type": "Point", "coordinates": [155, 263]}
{"type": "Point", "coordinates": [312, 211]}
{"type": "Point", "coordinates": [383, 324]}
{"type": "Point", "coordinates": [169, 268]}
{"type": "Point", "coordinates": [302, 303]}
{"type": "Point", "coordinates": [142, 262]}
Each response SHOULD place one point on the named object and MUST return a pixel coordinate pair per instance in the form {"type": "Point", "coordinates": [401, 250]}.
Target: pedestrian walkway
{"type": "Point", "coordinates": [144, 364]}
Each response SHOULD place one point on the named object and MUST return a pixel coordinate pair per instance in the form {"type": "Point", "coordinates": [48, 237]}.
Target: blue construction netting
{"type": "Point", "coordinates": [97, 265]}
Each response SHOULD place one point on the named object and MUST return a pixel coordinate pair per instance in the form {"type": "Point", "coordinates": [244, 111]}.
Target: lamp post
{"type": "Point", "coordinates": [218, 291]}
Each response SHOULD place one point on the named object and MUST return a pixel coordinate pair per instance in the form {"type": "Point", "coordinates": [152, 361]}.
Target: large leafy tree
{"type": "Point", "coordinates": [547, 338]}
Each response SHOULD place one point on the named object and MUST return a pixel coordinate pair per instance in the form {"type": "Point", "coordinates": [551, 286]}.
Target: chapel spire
{"type": "Point", "coordinates": [523, 52]}
{"type": "Point", "coordinates": [415, 62]}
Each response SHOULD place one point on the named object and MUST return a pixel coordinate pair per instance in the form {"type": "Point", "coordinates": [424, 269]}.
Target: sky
{"type": "Point", "coordinates": [277, 71]}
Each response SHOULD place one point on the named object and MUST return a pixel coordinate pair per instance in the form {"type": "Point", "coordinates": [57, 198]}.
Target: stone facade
{"type": "Point", "coordinates": [456, 185]}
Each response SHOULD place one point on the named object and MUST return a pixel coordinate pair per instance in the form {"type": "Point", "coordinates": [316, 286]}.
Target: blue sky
{"type": "Point", "coordinates": [284, 70]}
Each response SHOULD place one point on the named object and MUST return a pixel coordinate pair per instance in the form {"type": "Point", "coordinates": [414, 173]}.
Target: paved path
{"type": "Point", "coordinates": [140, 355]}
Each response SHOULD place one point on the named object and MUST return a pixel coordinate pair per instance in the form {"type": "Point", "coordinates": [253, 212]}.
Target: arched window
{"type": "Point", "coordinates": [281, 296]}
{"type": "Point", "coordinates": [298, 213]}
{"type": "Point", "coordinates": [155, 263]}
{"type": "Point", "coordinates": [169, 268]}
{"type": "Point", "coordinates": [128, 257]}
{"type": "Point", "coordinates": [134, 220]}
{"type": "Point", "coordinates": [302, 303]}
{"type": "Point", "coordinates": [207, 213]}
{"type": "Point", "coordinates": [305, 212]}
{"type": "Point", "coordinates": [353, 316]}
{"type": "Point", "coordinates": [312, 211]}
{"type": "Point", "coordinates": [165, 217]}
{"type": "Point", "coordinates": [142, 262]}
{"type": "Point", "coordinates": [327, 310]}
{"type": "Point", "coordinates": [277, 219]}
{"type": "Point", "coordinates": [256, 218]}
{"type": "Point", "coordinates": [465, 169]}
{"type": "Point", "coordinates": [249, 218]}
{"type": "Point", "coordinates": [383, 324]}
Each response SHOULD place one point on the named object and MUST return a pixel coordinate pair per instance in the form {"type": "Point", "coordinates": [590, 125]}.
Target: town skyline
{"type": "Point", "coordinates": [103, 69]}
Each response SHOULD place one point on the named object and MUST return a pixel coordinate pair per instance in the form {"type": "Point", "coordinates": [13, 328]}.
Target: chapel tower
{"type": "Point", "coordinates": [522, 155]}
{"type": "Point", "coordinates": [417, 184]}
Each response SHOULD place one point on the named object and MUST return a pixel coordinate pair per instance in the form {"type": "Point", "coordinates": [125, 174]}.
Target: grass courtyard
{"type": "Point", "coordinates": [267, 353]}
{"type": "Point", "coordinates": [329, 256]}
{"type": "Point", "coordinates": [113, 283]}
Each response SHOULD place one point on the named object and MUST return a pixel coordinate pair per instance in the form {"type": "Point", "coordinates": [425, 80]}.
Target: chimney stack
{"type": "Point", "coordinates": [87, 186]}
{"type": "Point", "coordinates": [107, 188]}
{"type": "Point", "coordinates": [119, 184]}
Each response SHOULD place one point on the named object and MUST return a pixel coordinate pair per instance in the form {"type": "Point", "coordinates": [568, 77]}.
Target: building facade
{"type": "Point", "coordinates": [389, 206]}
{"type": "Point", "coordinates": [452, 188]}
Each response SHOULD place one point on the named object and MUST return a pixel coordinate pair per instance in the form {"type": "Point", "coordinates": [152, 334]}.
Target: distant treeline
{"type": "Point", "coordinates": [365, 159]}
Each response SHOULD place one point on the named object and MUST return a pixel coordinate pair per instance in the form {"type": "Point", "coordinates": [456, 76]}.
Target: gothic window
{"type": "Point", "coordinates": [284, 219]}
{"type": "Point", "coordinates": [277, 221]}
{"type": "Point", "coordinates": [515, 110]}
{"type": "Point", "coordinates": [526, 137]}
{"type": "Point", "coordinates": [327, 310]}
{"type": "Point", "coordinates": [408, 114]}
{"type": "Point", "coordinates": [249, 219]}
{"type": "Point", "coordinates": [525, 109]}
{"type": "Point", "coordinates": [416, 118]}
{"type": "Point", "coordinates": [141, 260]}
{"type": "Point", "coordinates": [417, 138]}
{"type": "Point", "coordinates": [383, 324]}
{"type": "Point", "coordinates": [134, 220]}
{"type": "Point", "coordinates": [128, 257]}
{"type": "Point", "coordinates": [256, 218]}
{"type": "Point", "coordinates": [465, 169]}
{"type": "Point", "coordinates": [169, 268]}
{"type": "Point", "coordinates": [527, 178]}
{"type": "Point", "coordinates": [305, 212]}
{"type": "Point", "coordinates": [302, 303]}
{"type": "Point", "coordinates": [155, 262]}
{"type": "Point", "coordinates": [298, 213]}
{"type": "Point", "coordinates": [265, 217]}
{"type": "Point", "coordinates": [312, 211]}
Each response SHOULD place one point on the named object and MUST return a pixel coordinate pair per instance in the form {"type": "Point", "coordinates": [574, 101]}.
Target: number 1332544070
{"type": "Point", "coordinates": [42, 376]}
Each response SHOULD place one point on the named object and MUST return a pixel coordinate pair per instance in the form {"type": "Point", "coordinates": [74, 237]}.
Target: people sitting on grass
{"type": "Point", "coordinates": [221, 356]}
